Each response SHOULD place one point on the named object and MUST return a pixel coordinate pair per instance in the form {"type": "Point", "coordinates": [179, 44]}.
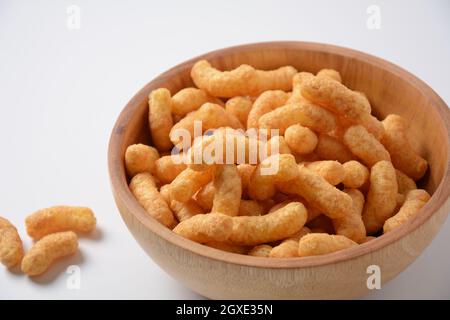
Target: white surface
{"type": "Point", "coordinates": [62, 90]}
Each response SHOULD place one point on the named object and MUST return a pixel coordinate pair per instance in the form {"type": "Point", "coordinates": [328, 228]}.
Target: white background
{"type": "Point", "coordinates": [61, 91]}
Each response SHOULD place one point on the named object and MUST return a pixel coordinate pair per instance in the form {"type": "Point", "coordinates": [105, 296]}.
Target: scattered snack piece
{"type": "Point", "coordinates": [167, 168]}
{"type": "Point", "coordinates": [210, 115]}
{"type": "Point", "coordinates": [206, 228]}
{"type": "Point", "coordinates": [144, 189]}
{"type": "Point", "coordinates": [58, 219]}
{"type": "Point", "coordinates": [332, 171]}
{"type": "Point", "coordinates": [160, 118]}
{"type": "Point", "coordinates": [405, 183]}
{"type": "Point", "coordinates": [300, 139]}
{"type": "Point", "coordinates": [11, 248]}
{"type": "Point", "coordinates": [276, 168]}
{"type": "Point", "coordinates": [47, 250]}
{"type": "Point", "coordinates": [329, 148]}
{"type": "Point", "coordinates": [331, 74]}
{"type": "Point", "coordinates": [415, 200]}
{"type": "Point", "coordinates": [365, 146]}
{"type": "Point", "coordinates": [318, 192]}
{"type": "Point", "coordinates": [239, 107]}
{"type": "Point", "coordinates": [245, 172]}
{"type": "Point", "coordinates": [140, 158]}
{"type": "Point", "coordinates": [381, 198]}
{"type": "Point", "coordinates": [188, 182]}
{"type": "Point", "coordinates": [297, 81]}
{"type": "Point", "coordinates": [265, 103]}
{"type": "Point", "coordinates": [352, 225]}
{"type": "Point", "coordinates": [273, 226]}
{"type": "Point", "coordinates": [314, 244]}
{"type": "Point", "coordinates": [288, 248]}
{"type": "Point", "coordinates": [190, 99]}
{"type": "Point", "coordinates": [355, 174]}
{"type": "Point", "coordinates": [242, 81]}
{"type": "Point", "coordinates": [397, 143]}
{"type": "Point", "coordinates": [228, 190]}
{"type": "Point", "coordinates": [262, 250]}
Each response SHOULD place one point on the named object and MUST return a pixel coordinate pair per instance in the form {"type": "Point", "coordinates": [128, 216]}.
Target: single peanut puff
{"type": "Point", "coordinates": [47, 250]}
{"type": "Point", "coordinates": [415, 200]}
{"type": "Point", "coordinates": [314, 244]}
{"type": "Point", "coordinates": [205, 228]}
{"type": "Point", "coordinates": [60, 218]}
{"type": "Point", "coordinates": [397, 143]}
{"type": "Point", "coordinates": [11, 248]}
{"type": "Point", "coordinates": [382, 196]}
{"type": "Point", "coordinates": [160, 118]}
{"type": "Point", "coordinates": [280, 224]}
{"type": "Point", "coordinates": [144, 189]}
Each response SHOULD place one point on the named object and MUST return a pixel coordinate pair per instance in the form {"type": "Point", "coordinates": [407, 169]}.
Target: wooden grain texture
{"type": "Point", "coordinates": [221, 275]}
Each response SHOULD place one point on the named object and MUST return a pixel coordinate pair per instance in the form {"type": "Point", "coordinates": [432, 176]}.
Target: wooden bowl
{"type": "Point", "coordinates": [222, 275]}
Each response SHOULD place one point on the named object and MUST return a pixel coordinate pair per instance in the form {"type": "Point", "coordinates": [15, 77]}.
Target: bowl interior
{"type": "Point", "coordinates": [389, 88]}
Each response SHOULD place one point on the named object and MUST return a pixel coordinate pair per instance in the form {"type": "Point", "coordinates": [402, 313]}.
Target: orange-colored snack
{"type": "Point", "coordinates": [210, 115]}
{"type": "Point", "coordinates": [365, 146]}
{"type": "Point", "coordinates": [397, 143]}
{"type": "Point", "coordinates": [239, 107]}
{"type": "Point", "coordinates": [228, 190]}
{"type": "Point", "coordinates": [304, 113]}
{"type": "Point", "coordinates": [144, 189]}
{"type": "Point", "coordinates": [382, 196]}
{"type": "Point", "coordinates": [225, 246]}
{"type": "Point", "coordinates": [181, 210]}
{"type": "Point", "coordinates": [242, 81]}
{"type": "Point", "coordinates": [47, 250]}
{"type": "Point", "coordinates": [277, 144]}
{"type": "Point", "coordinates": [352, 225]}
{"type": "Point", "coordinates": [262, 250]}
{"type": "Point", "coordinates": [300, 139]}
{"type": "Point", "coordinates": [205, 228]}
{"type": "Point", "coordinates": [160, 118]}
{"type": "Point", "coordinates": [188, 182]}
{"type": "Point", "coordinates": [314, 244]}
{"type": "Point", "coordinates": [288, 248]}
{"type": "Point", "coordinates": [11, 248]}
{"type": "Point", "coordinates": [273, 226]}
{"type": "Point", "coordinates": [332, 171]}
{"type": "Point", "coordinates": [405, 183]}
{"type": "Point", "coordinates": [297, 80]}
{"type": "Point", "coordinates": [318, 192]}
{"type": "Point", "coordinates": [167, 168]}
{"type": "Point", "coordinates": [251, 208]}
{"type": "Point", "coordinates": [343, 101]}
{"type": "Point", "coordinates": [265, 103]}
{"type": "Point", "coordinates": [355, 174]}
{"type": "Point", "coordinates": [415, 200]}
{"type": "Point", "coordinates": [190, 99]}
{"type": "Point", "coordinates": [331, 74]}
{"type": "Point", "coordinates": [276, 168]}
{"type": "Point", "coordinates": [140, 158]}
{"type": "Point", "coordinates": [329, 148]}
{"type": "Point", "coordinates": [60, 218]}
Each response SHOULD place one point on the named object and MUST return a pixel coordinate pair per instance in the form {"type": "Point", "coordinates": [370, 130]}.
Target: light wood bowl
{"type": "Point", "coordinates": [221, 275]}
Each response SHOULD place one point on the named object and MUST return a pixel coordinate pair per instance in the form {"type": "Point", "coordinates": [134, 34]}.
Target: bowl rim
{"type": "Point", "coordinates": [123, 194]}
